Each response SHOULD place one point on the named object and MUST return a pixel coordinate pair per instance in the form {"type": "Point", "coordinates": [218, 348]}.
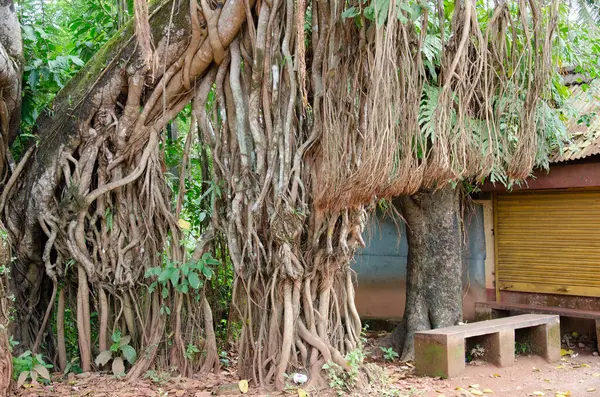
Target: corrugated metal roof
{"type": "Point", "coordinates": [584, 126]}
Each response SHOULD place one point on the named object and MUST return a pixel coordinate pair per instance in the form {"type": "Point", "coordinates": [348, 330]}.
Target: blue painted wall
{"type": "Point", "coordinates": [381, 267]}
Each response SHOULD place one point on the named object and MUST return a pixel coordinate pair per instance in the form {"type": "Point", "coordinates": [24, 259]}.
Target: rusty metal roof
{"type": "Point", "coordinates": [583, 127]}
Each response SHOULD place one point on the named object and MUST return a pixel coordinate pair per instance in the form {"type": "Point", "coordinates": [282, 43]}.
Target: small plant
{"type": "Point", "coordinates": [191, 351]}
{"type": "Point", "coordinates": [12, 343]}
{"type": "Point", "coordinates": [389, 354]}
{"type": "Point", "coordinates": [31, 367]}
{"type": "Point", "coordinates": [73, 366]}
{"type": "Point", "coordinates": [522, 348]}
{"type": "Point", "coordinates": [335, 373]}
{"type": "Point", "coordinates": [476, 353]}
{"type": "Point", "coordinates": [343, 381]}
{"type": "Point", "coordinates": [119, 351]}
{"type": "Point", "coordinates": [223, 359]}
{"type": "Point", "coordinates": [160, 378]}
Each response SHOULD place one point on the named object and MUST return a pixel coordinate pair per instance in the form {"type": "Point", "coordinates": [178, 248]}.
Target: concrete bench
{"type": "Point", "coordinates": [489, 310]}
{"type": "Point", "coordinates": [441, 352]}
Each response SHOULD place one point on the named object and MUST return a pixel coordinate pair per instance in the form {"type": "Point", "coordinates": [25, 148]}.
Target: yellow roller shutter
{"type": "Point", "coordinates": [549, 242]}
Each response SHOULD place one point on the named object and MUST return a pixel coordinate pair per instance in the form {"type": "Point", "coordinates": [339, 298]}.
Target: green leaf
{"type": "Point", "coordinates": [175, 277]}
{"type": "Point", "coordinates": [381, 9]}
{"type": "Point", "coordinates": [184, 287]}
{"type": "Point", "coordinates": [129, 353]}
{"type": "Point", "coordinates": [114, 347]}
{"type": "Point", "coordinates": [116, 336]}
{"type": "Point", "coordinates": [166, 274]}
{"type": "Point", "coordinates": [208, 273]}
{"type": "Point", "coordinates": [103, 358]}
{"type": "Point", "coordinates": [32, 78]}
{"type": "Point", "coordinates": [118, 367]}
{"type": "Point", "coordinates": [350, 13]}
{"type": "Point", "coordinates": [77, 61]}
{"type": "Point", "coordinates": [212, 261]}
{"type": "Point", "coordinates": [125, 340]}
{"type": "Point", "coordinates": [184, 269]}
{"type": "Point", "coordinates": [28, 33]}
{"type": "Point", "coordinates": [194, 280]}
{"type": "Point", "coordinates": [42, 371]}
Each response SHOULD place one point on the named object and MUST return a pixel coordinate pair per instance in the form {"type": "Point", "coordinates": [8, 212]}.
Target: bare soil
{"type": "Point", "coordinates": [529, 376]}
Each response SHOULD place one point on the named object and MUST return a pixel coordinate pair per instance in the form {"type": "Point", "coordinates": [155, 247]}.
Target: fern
{"type": "Point", "coordinates": [429, 104]}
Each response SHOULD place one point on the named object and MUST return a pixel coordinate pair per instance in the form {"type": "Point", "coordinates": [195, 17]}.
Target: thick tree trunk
{"type": "Point", "coordinates": [434, 278]}
{"type": "Point", "coordinates": [83, 201]}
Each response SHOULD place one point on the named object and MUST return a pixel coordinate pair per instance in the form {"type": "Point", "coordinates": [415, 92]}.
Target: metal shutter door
{"type": "Point", "coordinates": [549, 242]}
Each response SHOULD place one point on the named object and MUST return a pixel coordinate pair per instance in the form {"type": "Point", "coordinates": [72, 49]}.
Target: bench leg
{"type": "Point", "coordinates": [439, 355]}
{"type": "Point", "coordinates": [545, 341]}
{"type": "Point", "coordinates": [500, 348]}
{"type": "Point", "coordinates": [598, 334]}
{"type": "Point", "coordinates": [483, 313]}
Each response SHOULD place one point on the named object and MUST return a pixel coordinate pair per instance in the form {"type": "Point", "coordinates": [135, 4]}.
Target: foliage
{"type": "Point", "coordinates": [158, 377]}
{"type": "Point", "coordinates": [522, 348]}
{"type": "Point", "coordinates": [119, 351]}
{"type": "Point", "coordinates": [182, 276]}
{"type": "Point", "coordinates": [58, 38]}
{"type": "Point", "coordinates": [73, 367]}
{"type": "Point", "coordinates": [223, 359]}
{"type": "Point", "coordinates": [31, 367]}
{"type": "Point", "coordinates": [70, 330]}
{"type": "Point", "coordinates": [476, 353]}
{"type": "Point", "coordinates": [343, 381]}
{"type": "Point", "coordinates": [389, 354]}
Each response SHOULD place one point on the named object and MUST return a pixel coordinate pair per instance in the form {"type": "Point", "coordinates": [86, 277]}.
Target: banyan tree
{"type": "Point", "coordinates": [310, 112]}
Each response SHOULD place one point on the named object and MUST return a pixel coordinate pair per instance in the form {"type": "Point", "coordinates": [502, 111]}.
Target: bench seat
{"type": "Point", "coordinates": [488, 310]}
{"type": "Point", "coordinates": [441, 351]}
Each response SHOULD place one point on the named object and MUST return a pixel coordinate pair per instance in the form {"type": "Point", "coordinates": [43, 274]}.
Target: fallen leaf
{"type": "Point", "coordinates": [591, 389]}
{"type": "Point", "coordinates": [536, 369]}
{"type": "Point", "coordinates": [584, 365]}
{"type": "Point", "coordinates": [243, 385]}
{"type": "Point", "coordinates": [596, 375]}
{"type": "Point", "coordinates": [441, 395]}
{"type": "Point", "coordinates": [563, 393]}
{"type": "Point", "coordinates": [302, 393]}
{"type": "Point", "coordinates": [564, 352]}
{"type": "Point", "coordinates": [538, 393]}
{"type": "Point", "coordinates": [476, 392]}
{"type": "Point", "coordinates": [475, 386]}
{"type": "Point", "coordinates": [180, 393]}
{"type": "Point", "coordinates": [488, 391]}
{"type": "Point", "coordinates": [495, 375]}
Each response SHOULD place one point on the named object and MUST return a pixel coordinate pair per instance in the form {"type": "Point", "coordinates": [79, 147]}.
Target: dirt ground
{"type": "Point", "coordinates": [576, 375]}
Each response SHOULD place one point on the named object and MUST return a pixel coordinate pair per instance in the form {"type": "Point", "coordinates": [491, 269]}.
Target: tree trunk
{"type": "Point", "coordinates": [434, 277]}
{"type": "Point", "coordinates": [84, 199]}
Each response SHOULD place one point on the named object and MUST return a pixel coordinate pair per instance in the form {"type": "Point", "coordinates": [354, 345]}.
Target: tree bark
{"type": "Point", "coordinates": [11, 68]}
{"type": "Point", "coordinates": [434, 276]}
{"type": "Point", "coordinates": [98, 158]}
